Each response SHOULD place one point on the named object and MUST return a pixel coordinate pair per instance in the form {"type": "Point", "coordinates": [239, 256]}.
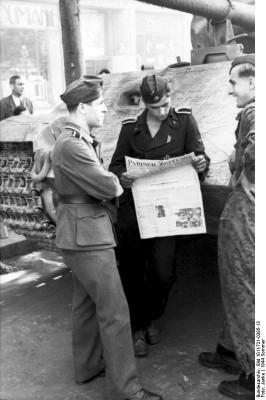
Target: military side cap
{"type": "Point", "coordinates": [82, 90]}
{"type": "Point", "coordinates": [244, 59]}
{"type": "Point", "coordinates": [153, 88]}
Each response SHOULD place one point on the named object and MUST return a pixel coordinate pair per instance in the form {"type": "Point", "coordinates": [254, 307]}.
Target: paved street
{"type": "Point", "coordinates": [36, 331]}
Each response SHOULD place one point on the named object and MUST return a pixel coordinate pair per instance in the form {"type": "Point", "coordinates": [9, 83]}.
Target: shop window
{"type": "Point", "coordinates": [24, 52]}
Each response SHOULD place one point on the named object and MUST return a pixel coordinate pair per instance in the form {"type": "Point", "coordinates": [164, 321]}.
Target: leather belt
{"type": "Point", "coordinates": [78, 199]}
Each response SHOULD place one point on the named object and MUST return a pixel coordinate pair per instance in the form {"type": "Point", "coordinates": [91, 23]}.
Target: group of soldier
{"type": "Point", "coordinates": [114, 311]}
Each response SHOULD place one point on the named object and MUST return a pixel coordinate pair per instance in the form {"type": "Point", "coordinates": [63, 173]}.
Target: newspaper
{"type": "Point", "coordinates": [167, 196]}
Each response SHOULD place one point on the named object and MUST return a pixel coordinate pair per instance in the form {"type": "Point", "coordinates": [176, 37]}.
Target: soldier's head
{"type": "Point", "coordinates": [84, 101]}
{"type": "Point", "coordinates": [17, 85]}
{"type": "Point", "coordinates": [20, 110]}
{"type": "Point", "coordinates": [242, 79]}
{"type": "Point", "coordinates": [156, 93]}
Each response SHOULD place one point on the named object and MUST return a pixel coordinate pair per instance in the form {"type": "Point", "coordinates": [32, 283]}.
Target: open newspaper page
{"type": "Point", "coordinates": [167, 196]}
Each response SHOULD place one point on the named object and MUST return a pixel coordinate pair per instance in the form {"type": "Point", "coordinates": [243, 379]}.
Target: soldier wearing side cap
{"type": "Point", "coordinates": [147, 266]}
{"type": "Point", "coordinates": [235, 351]}
{"type": "Point", "coordinates": [102, 338]}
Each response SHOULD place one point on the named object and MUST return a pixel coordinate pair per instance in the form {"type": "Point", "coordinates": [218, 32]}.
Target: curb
{"type": "Point", "coordinates": [15, 245]}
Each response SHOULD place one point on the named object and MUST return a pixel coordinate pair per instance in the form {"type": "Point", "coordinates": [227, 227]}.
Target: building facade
{"type": "Point", "coordinates": [120, 35]}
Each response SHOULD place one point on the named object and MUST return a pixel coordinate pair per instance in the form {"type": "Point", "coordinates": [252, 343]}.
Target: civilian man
{"type": "Point", "coordinates": [9, 103]}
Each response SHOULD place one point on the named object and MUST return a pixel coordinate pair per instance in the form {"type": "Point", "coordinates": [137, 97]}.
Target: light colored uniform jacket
{"type": "Point", "coordinates": [78, 171]}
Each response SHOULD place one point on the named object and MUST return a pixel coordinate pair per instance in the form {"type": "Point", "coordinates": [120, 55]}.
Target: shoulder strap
{"type": "Point", "coordinates": [130, 120]}
{"type": "Point", "coordinates": [75, 133]}
{"type": "Point", "coordinates": [183, 110]}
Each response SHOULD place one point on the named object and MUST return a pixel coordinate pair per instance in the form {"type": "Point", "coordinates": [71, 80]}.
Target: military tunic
{"type": "Point", "coordinates": [236, 250]}
{"type": "Point", "coordinates": [147, 266]}
{"type": "Point", "coordinates": [101, 323]}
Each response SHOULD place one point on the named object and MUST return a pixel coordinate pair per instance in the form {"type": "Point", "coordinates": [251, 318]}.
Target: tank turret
{"type": "Point", "coordinates": [220, 29]}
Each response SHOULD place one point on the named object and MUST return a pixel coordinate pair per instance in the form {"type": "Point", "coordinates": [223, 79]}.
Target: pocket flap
{"type": "Point", "coordinates": [94, 227]}
{"type": "Point", "coordinates": [90, 212]}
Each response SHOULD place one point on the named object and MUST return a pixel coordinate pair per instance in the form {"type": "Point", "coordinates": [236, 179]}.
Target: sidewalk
{"type": "Point", "coordinates": [15, 245]}
{"type": "Point", "coordinates": [36, 327]}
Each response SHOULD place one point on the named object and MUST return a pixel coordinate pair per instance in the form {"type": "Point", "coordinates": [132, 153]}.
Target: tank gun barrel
{"type": "Point", "coordinates": [218, 10]}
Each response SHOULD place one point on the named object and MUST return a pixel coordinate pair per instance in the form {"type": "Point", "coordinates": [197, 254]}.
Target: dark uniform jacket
{"type": "Point", "coordinates": [178, 135]}
{"type": "Point", "coordinates": [78, 171]}
{"type": "Point", "coordinates": [7, 107]}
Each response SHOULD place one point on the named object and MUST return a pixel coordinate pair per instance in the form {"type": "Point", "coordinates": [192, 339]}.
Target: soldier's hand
{"type": "Point", "coordinates": [126, 180]}
{"type": "Point", "coordinates": [42, 164]}
{"type": "Point", "coordinates": [199, 163]}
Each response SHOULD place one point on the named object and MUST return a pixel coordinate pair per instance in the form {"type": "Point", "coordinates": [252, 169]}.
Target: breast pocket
{"type": "Point", "coordinates": [94, 227]}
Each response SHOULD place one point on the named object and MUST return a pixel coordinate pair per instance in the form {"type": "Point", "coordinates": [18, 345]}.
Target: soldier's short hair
{"type": "Point", "coordinates": [246, 63]}
{"type": "Point", "coordinates": [19, 109]}
{"type": "Point", "coordinates": [13, 79]}
{"type": "Point", "coordinates": [246, 70]}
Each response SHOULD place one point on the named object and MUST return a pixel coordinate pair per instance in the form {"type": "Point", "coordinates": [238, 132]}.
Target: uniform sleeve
{"type": "Point", "coordinates": [248, 142]}
{"type": "Point", "coordinates": [118, 163]}
{"type": "Point", "coordinates": [193, 140]}
{"type": "Point", "coordinates": [249, 159]}
{"type": "Point", "coordinates": [78, 164]}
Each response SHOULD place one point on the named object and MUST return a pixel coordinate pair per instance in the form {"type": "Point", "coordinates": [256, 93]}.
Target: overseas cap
{"type": "Point", "coordinates": [153, 88]}
{"type": "Point", "coordinates": [244, 59]}
{"type": "Point", "coordinates": [82, 90]}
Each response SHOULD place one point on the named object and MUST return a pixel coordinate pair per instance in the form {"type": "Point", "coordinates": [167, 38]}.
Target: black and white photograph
{"type": "Point", "coordinates": [189, 217]}
{"type": "Point", "coordinates": [127, 200]}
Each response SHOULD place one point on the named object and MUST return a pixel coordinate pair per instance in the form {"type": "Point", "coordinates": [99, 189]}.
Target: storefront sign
{"type": "Point", "coordinates": [27, 15]}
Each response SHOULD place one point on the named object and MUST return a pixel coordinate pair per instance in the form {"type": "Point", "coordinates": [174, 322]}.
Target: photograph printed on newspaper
{"type": "Point", "coordinates": [167, 196]}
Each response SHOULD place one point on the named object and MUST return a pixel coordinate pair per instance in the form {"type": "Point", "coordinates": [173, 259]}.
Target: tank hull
{"type": "Point", "coordinates": [29, 208]}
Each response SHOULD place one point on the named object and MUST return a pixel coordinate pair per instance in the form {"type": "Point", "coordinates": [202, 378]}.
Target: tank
{"type": "Point", "coordinates": [220, 29]}
{"type": "Point", "coordinates": [203, 32]}
{"type": "Point", "coordinates": [27, 193]}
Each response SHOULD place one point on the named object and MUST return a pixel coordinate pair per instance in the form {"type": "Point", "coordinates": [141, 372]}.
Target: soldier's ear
{"type": "Point", "coordinates": [252, 83]}
{"type": "Point", "coordinates": [81, 108]}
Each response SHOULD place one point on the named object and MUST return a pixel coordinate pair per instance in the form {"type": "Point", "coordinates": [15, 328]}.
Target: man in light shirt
{"type": "Point", "coordinates": [9, 103]}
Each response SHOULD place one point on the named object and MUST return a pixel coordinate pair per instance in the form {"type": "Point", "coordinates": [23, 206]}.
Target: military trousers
{"type": "Point", "coordinates": [146, 267]}
{"type": "Point", "coordinates": [225, 338]}
{"type": "Point", "coordinates": [236, 256]}
{"type": "Point", "coordinates": [101, 323]}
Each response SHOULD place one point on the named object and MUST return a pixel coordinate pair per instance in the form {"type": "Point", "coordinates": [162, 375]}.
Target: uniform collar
{"type": "Point", "coordinates": [142, 119]}
{"type": "Point", "coordinates": [85, 134]}
{"type": "Point", "coordinates": [172, 113]}
{"type": "Point", "coordinates": [240, 112]}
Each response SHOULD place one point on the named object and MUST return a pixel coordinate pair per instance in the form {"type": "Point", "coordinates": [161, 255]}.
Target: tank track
{"type": "Point", "coordinates": [21, 205]}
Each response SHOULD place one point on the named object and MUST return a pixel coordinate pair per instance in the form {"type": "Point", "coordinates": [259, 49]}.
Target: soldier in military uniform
{"type": "Point", "coordinates": [147, 266]}
{"type": "Point", "coordinates": [101, 324]}
{"type": "Point", "coordinates": [235, 351]}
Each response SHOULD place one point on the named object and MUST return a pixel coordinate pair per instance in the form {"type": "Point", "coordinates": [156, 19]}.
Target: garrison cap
{"type": "Point", "coordinates": [82, 90]}
{"type": "Point", "coordinates": [244, 59]}
{"type": "Point", "coordinates": [153, 88]}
